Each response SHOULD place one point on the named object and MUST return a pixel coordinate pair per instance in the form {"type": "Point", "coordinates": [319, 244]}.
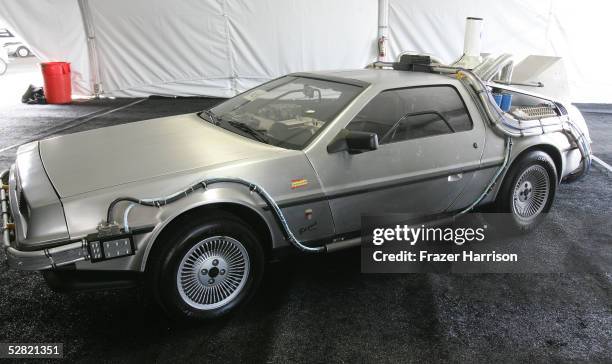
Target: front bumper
{"type": "Point", "coordinates": [69, 253]}
{"type": "Point", "coordinates": [93, 248]}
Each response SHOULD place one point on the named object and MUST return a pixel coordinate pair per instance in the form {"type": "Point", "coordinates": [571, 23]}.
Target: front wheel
{"type": "Point", "coordinates": [527, 192]}
{"type": "Point", "coordinates": [3, 67]}
{"type": "Point", "coordinates": [207, 269]}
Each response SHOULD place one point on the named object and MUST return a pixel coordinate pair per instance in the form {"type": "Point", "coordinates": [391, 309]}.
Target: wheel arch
{"type": "Point", "coordinates": [549, 149]}
{"type": "Point", "coordinates": [247, 213]}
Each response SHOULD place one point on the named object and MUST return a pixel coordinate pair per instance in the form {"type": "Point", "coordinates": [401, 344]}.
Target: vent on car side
{"type": "Point", "coordinates": [533, 112]}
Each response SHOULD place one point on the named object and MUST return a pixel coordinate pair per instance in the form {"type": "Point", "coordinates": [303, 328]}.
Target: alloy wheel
{"type": "Point", "coordinates": [213, 272]}
{"type": "Point", "coordinates": [531, 192]}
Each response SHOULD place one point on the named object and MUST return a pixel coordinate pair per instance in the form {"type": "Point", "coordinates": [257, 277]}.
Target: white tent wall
{"type": "Point", "coordinates": [579, 33]}
{"type": "Point", "coordinates": [192, 47]}
{"type": "Point", "coordinates": [222, 47]}
{"type": "Point", "coordinates": [569, 29]}
{"type": "Point", "coordinates": [159, 47]}
{"type": "Point", "coordinates": [270, 38]}
{"type": "Point", "coordinates": [53, 29]}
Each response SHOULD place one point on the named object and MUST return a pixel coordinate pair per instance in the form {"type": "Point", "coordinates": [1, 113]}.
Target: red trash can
{"type": "Point", "coordinates": [57, 82]}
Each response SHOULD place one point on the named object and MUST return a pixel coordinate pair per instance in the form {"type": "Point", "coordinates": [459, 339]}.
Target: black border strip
{"type": "Point", "coordinates": [322, 197]}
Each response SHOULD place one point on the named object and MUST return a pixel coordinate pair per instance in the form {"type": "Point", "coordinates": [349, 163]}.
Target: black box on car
{"type": "Point", "coordinates": [414, 63]}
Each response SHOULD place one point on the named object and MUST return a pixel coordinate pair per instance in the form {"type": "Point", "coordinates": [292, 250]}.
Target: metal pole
{"type": "Point", "coordinates": [91, 47]}
{"type": "Point", "coordinates": [383, 29]}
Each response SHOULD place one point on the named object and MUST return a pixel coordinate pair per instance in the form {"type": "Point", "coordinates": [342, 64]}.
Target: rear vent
{"type": "Point", "coordinates": [533, 112]}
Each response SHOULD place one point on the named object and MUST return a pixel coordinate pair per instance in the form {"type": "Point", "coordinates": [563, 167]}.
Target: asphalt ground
{"type": "Point", "coordinates": [322, 308]}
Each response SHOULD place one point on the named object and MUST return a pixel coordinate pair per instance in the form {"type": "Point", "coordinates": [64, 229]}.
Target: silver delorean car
{"type": "Point", "coordinates": [193, 205]}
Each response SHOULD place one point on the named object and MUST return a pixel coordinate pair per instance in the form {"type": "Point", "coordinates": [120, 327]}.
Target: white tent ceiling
{"type": "Point", "coordinates": [221, 47]}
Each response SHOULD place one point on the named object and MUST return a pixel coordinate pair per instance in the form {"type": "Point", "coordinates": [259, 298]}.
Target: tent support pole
{"type": "Point", "coordinates": [383, 29]}
{"type": "Point", "coordinates": [91, 47]}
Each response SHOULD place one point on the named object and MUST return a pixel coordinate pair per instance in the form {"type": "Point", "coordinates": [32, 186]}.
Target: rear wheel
{"type": "Point", "coordinates": [207, 269]}
{"type": "Point", "coordinates": [3, 67]}
{"type": "Point", "coordinates": [528, 192]}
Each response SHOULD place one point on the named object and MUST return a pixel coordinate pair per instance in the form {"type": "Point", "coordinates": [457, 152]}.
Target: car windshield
{"type": "Point", "coordinates": [287, 112]}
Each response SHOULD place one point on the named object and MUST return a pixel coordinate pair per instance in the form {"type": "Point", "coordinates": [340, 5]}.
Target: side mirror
{"type": "Point", "coordinates": [354, 142]}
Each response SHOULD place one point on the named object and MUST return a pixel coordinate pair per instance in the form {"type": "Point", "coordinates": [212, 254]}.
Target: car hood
{"type": "Point", "coordinates": [101, 158]}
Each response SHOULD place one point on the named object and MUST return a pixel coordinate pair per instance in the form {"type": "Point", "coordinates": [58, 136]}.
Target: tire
{"type": "Point", "coordinates": [3, 67]}
{"type": "Point", "coordinates": [22, 52]}
{"type": "Point", "coordinates": [207, 268]}
{"type": "Point", "coordinates": [527, 193]}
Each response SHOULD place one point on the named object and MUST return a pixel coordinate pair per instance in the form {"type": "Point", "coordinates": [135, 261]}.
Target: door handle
{"type": "Point", "coordinates": [455, 177]}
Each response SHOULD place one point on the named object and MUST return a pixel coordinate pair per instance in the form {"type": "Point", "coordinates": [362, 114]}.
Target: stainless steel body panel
{"type": "Point", "coordinates": [274, 173]}
{"type": "Point", "coordinates": [106, 157]}
{"type": "Point", "coordinates": [37, 210]}
{"type": "Point", "coordinates": [420, 176]}
{"type": "Point", "coordinates": [159, 157]}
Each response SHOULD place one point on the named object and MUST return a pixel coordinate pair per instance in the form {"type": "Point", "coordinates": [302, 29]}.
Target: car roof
{"type": "Point", "coordinates": [384, 77]}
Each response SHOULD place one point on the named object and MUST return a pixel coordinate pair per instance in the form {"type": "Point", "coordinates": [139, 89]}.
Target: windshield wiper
{"type": "Point", "coordinates": [212, 117]}
{"type": "Point", "coordinates": [249, 130]}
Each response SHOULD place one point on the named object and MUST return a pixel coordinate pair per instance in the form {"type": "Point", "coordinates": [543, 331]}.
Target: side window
{"type": "Point", "coordinates": [412, 113]}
